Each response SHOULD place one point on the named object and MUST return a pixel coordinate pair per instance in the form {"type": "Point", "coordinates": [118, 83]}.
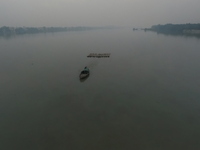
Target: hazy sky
{"type": "Point", "coordinates": [133, 13]}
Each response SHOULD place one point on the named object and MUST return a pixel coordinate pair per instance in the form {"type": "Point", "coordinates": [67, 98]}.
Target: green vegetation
{"type": "Point", "coordinates": [9, 31]}
{"type": "Point", "coordinates": [176, 29]}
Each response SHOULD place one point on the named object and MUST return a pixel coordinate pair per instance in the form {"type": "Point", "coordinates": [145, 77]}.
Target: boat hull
{"type": "Point", "coordinates": [83, 76]}
{"type": "Point", "coordinates": [85, 73]}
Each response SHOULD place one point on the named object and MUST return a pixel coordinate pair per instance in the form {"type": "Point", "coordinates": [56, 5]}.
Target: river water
{"type": "Point", "coordinates": [144, 97]}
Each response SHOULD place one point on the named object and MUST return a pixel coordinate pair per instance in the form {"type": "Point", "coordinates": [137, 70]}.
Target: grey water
{"type": "Point", "coordinates": [145, 96]}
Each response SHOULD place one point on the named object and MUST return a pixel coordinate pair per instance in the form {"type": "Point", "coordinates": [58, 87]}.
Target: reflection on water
{"type": "Point", "coordinates": [145, 96]}
{"type": "Point", "coordinates": [186, 35]}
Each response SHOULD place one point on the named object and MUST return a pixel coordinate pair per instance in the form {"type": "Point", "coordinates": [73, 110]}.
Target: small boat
{"type": "Point", "coordinates": [85, 73]}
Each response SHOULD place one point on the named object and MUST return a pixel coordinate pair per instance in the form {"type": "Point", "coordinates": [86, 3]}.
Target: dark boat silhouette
{"type": "Point", "coordinates": [84, 73]}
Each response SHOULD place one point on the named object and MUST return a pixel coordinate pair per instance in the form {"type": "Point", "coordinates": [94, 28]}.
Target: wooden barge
{"type": "Point", "coordinates": [100, 55]}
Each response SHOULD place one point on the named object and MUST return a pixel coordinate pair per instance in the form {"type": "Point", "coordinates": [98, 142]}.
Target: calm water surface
{"type": "Point", "coordinates": [144, 97]}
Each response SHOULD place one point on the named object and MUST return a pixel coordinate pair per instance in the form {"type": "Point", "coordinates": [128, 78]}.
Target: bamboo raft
{"type": "Point", "coordinates": [99, 55]}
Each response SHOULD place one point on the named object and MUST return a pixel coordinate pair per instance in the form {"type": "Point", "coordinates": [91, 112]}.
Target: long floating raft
{"type": "Point", "coordinates": [99, 55]}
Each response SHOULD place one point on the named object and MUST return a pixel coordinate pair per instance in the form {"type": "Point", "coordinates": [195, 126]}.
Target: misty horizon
{"type": "Point", "coordinates": [98, 13]}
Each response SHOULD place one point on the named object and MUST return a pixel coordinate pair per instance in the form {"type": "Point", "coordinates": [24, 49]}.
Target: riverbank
{"type": "Point", "coordinates": [176, 29]}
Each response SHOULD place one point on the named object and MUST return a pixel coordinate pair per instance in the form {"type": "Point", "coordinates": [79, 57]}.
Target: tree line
{"type": "Point", "coordinates": [176, 28]}
{"type": "Point", "coordinates": [7, 31]}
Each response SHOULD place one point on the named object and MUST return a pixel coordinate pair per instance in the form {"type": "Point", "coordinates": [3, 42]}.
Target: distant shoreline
{"type": "Point", "coordinates": [176, 29]}
{"type": "Point", "coordinates": [9, 31]}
